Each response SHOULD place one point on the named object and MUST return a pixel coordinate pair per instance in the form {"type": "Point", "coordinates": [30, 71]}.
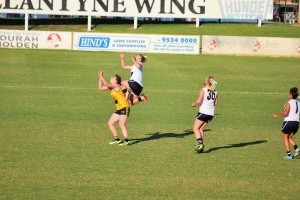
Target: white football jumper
{"type": "Point", "coordinates": [293, 115]}
{"type": "Point", "coordinates": [137, 74]}
{"type": "Point", "coordinates": [207, 106]}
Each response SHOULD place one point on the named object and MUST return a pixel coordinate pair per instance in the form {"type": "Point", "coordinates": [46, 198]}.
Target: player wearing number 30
{"type": "Point", "coordinates": [207, 100]}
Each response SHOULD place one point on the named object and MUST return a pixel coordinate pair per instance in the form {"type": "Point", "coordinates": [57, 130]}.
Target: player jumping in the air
{"type": "Point", "coordinates": [122, 107]}
{"type": "Point", "coordinates": [135, 83]}
{"type": "Point", "coordinates": [207, 100]}
{"type": "Point", "coordinates": [291, 123]}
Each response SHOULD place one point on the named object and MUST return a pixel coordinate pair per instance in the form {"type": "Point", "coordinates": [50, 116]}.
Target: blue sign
{"type": "Point", "coordinates": [93, 42]}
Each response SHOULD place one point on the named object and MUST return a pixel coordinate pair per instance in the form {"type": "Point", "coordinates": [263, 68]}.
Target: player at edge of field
{"type": "Point", "coordinates": [291, 123]}
{"type": "Point", "coordinates": [122, 107]}
{"type": "Point", "coordinates": [207, 100]}
{"type": "Point", "coordinates": [135, 83]}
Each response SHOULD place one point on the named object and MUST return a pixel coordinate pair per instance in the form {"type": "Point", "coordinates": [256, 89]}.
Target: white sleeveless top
{"type": "Point", "coordinates": [293, 115]}
{"type": "Point", "coordinates": [137, 74]}
{"type": "Point", "coordinates": [207, 106]}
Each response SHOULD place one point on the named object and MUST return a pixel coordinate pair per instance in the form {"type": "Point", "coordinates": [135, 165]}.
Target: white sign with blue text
{"type": "Point", "coordinates": [175, 44]}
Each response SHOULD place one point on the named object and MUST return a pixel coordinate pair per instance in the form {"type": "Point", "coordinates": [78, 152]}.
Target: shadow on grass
{"type": "Point", "coordinates": [238, 145]}
{"type": "Point", "coordinates": [159, 135]}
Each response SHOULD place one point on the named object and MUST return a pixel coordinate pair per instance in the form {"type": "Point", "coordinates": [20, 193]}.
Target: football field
{"type": "Point", "coordinates": [54, 137]}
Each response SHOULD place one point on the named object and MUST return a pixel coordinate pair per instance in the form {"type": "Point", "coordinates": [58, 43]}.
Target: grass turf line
{"type": "Point", "coordinates": [54, 142]}
{"type": "Point", "coordinates": [226, 29]}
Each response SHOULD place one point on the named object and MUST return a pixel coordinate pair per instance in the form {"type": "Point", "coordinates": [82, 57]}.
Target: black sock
{"type": "Point", "coordinates": [117, 139]}
{"type": "Point", "coordinates": [199, 141]}
{"type": "Point", "coordinates": [295, 147]}
{"type": "Point", "coordinates": [289, 153]}
{"type": "Point", "coordinates": [126, 140]}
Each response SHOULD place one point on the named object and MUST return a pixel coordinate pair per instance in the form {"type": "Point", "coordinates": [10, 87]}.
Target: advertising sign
{"type": "Point", "coordinates": [222, 9]}
{"type": "Point", "coordinates": [246, 9]}
{"type": "Point", "coordinates": [136, 43]}
{"type": "Point", "coordinates": [251, 45]}
{"type": "Point", "coordinates": [35, 39]}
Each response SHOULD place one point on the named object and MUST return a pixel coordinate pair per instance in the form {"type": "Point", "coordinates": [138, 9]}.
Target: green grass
{"type": "Point", "coordinates": [227, 29]}
{"type": "Point", "coordinates": [54, 138]}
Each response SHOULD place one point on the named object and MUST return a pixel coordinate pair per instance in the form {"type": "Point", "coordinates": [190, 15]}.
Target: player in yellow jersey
{"type": "Point", "coordinates": [122, 106]}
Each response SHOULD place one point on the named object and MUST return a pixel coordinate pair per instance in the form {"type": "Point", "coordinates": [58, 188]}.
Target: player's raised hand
{"type": "Point", "coordinates": [122, 56]}
{"type": "Point", "coordinates": [100, 74]}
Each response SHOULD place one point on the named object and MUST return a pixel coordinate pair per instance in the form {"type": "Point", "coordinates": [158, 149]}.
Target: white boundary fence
{"type": "Point", "coordinates": [35, 39]}
{"type": "Point", "coordinates": [173, 44]}
{"type": "Point", "coordinates": [233, 45]}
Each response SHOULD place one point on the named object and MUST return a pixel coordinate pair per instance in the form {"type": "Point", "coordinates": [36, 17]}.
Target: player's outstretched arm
{"type": "Point", "coordinates": [123, 64]}
{"type": "Point", "coordinates": [285, 112]}
{"type": "Point", "coordinates": [199, 100]}
{"type": "Point", "coordinates": [103, 84]}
